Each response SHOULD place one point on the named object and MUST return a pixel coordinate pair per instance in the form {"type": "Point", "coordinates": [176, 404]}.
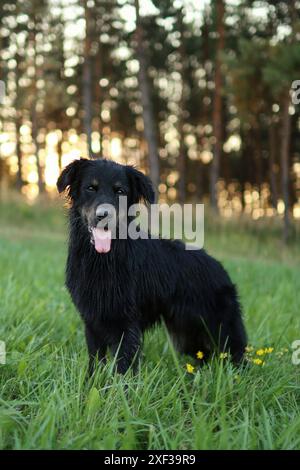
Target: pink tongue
{"type": "Point", "coordinates": [102, 240]}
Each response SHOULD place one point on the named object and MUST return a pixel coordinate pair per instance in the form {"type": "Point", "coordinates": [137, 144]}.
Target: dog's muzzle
{"type": "Point", "coordinates": [101, 234]}
{"type": "Point", "coordinates": [102, 213]}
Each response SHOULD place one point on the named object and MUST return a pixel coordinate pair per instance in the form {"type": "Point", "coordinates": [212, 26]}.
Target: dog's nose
{"type": "Point", "coordinates": [101, 213]}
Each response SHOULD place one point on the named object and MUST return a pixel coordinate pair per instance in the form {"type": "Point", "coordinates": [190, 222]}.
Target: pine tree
{"type": "Point", "coordinates": [150, 131]}
{"type": "Point", "coordinates": [282, 68]}
{"type": "Point", "coordinates": [217, 118]}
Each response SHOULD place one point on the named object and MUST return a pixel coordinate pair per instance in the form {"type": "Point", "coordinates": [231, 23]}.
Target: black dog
{"type": "Point", "coordinates": [122, 287]}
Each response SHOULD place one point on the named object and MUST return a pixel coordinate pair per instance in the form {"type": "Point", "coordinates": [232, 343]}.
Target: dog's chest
{"type": "Point", "coordinates": [100, 287]}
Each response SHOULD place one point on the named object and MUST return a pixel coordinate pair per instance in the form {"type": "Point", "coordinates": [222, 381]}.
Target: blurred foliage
{"type": "Point", "coordinates": [86, 70]}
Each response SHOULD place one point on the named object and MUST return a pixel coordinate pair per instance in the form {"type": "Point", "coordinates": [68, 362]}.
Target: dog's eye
{"type": "Point", "coordinates": [119, 191]}
{"type": "Point", "coordinates": [91, 188]}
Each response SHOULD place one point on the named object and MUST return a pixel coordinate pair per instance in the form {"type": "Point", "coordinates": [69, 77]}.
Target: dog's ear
{"type": "Point", "coordinates": [69, 175]}
{"type": "Point", "coordinates": [141, 186]}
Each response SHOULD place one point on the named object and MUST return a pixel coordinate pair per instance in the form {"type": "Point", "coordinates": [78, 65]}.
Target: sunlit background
{"type": "Point", "coordinates": [73, 89]}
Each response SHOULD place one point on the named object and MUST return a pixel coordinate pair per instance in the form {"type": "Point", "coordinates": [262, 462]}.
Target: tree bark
{"type": "Point", "coordinates": [33, 111]}
{"type": "Point", "coordinates": [60, 152]}
{"type": "Point", "coordinates": [98, 95]}
{"type": "Point", "coordinates": [257, 154]}
{"type": "Point", "coordinates": [87, 80]}
{"type": "Point", "coordinates": [19, 152]}
{"type": "Point", "coordinates": [150, 133]}
{"type": "Point", "coordinates": [217, 107]}
{"type": "Point", "coordinates": [34, 134]}
{"type": "Point", "coordinates": [18, 123]}
{"type": "Point", "coordinates": [272, 162]}
{"type": "Point", "coordinates": [182, 147]}
{"type": "Point", "coordinates": [284, 159]}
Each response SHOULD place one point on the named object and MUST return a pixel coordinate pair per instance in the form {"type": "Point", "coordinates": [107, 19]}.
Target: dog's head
{"type": "Point", "coordinates": [95, 187]}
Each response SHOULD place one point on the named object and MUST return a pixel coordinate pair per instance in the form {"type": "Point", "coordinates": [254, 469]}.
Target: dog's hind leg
{"type": "Point", "coordinates": [237, 337]}
{"type": "Point", "coordinates": [189, 337]}
{"type": "Point", "coordinates": [237, 340]}
{"type": "Point", "coordinates": [96, 349]}
{"type": "Point", "coordinates": [229, 336]}
{"type": "Point", "coordinates": [221, 331]}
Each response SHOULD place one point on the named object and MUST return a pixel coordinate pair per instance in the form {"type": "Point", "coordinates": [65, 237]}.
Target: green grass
{"type": "Point", "coordinates": [45, 401]}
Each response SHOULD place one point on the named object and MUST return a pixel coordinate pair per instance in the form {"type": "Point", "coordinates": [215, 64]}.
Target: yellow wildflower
{"type": "Point", "coordinates": [200, 355]}
{"type": "Point", "coordinates": [269, 350]}
{"type": "Point", "coordinates": [223, 355]}
{"type": "Point", "coordinates": [258, 362]}
{"type": "Point", "coordinates": [260, 352]}
{"type": "Point", "coordinates": [190, 368]}
{"type": "Point", "coordinates": [249, 349]}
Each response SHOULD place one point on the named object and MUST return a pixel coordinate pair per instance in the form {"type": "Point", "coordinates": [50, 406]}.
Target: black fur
{"type": "Point", "coordinates": [122, 293]}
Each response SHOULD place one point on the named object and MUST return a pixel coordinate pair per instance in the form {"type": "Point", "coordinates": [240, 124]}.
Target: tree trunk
{"type": "Point", "coordinates": [182, 166]}
{"type": "Point", "coordinates": [34, 134]}
{"type": "Point", "coordinates": [33, 113]}
{"type": "Point", "coordinates": [4, 178]}
{"type": "Point", "coordinates": [87, 80]}
{"type": "Point", "coordinates": [272, 162]}
{"type": "Point", "coordinates": [199, 180]}
{"type": "Point", "coordinates": [182, 147]}
{"type": "Point", "coordinates": [19, 152]}
{"type": "Point", "coordinates": [284, 158]}
{"type": "Point", "coordinates": [203, 177]}
{"type": "Point", "coordinates": [217, 107]}
{"type": "Point", "coordinates": [18, 123]}
{"type": "Point", "coordinates": [150, 133]}
{"type": "Point", "coordinates": [60, 153]}
{"type": "Point", "coordinates": [98, 95]}
{"type": "Point", "coordinates": [257, 153]}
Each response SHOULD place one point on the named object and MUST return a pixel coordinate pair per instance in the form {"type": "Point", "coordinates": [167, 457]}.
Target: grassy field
{"type": "Point", "coordinates": [45, 401]}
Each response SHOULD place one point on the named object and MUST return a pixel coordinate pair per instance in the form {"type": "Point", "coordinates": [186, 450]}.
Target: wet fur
{"type": "Point", "coordinates": [139, 282]}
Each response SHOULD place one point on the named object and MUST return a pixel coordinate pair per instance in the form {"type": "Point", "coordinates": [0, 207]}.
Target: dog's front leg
{"type": "Point", "coordinates": [96, 348]}
{"type": "Point", "coordinates": [126, 348]}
